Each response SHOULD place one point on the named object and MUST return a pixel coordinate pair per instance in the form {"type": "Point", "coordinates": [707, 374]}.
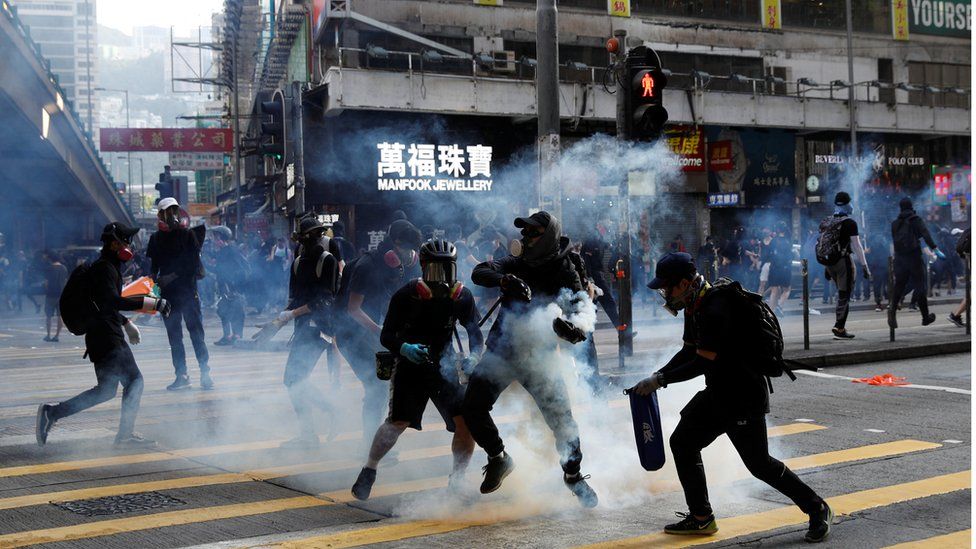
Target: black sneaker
{"type": "Point", "coordinates": [842, 334]}
{"type": "Point", "coordinates": [689, 525]}
{"type": "Point", "coordinates": [928, 319]}
{"type": "Point", "coordinates": [364, 484]}
{"type": "Point", "coordinates": [223, 341]}
{"type": "Point", "coordinates": [181, 383]}
{"type": "Point", "coordinates": [957, 320]}
{"type": "Point", "coordinates": [44, 423]}
{"type": "Point", "coordinates": [55, 339]}
{"type": "Point", "coordinates": [206, 382]}
{"type": "Point", "coordinates": [495, 472]}
{"type": "Point", "coordinates": [134, 441]}
{"type": "Point", "coordinates": [47, 338]}
{"type": "Point", "coordinates": [582, 490]}
{"type": "Point", "coordinates": [820, 524]}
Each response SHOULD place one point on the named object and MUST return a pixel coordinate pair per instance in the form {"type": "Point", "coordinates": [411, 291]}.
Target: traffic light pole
{"type": "Point", "coordinates": [237, 142]}
{"type": "Point", "coordinates": [625, 338]}
{"type": "Point", "coordinates": [299, 152]}
{"type": "Point", "coordinates": [547, 98]}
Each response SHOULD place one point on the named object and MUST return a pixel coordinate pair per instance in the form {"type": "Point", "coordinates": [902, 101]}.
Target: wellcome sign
{"type": "Point", "coordinates": [430, 167]}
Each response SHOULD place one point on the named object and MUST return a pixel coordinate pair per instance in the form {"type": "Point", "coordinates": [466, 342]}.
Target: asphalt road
{"type": "Point", "coordinates": [893, 461]}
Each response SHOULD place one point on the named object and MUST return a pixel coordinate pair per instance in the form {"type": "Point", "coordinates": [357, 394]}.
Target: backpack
{"type": "Point", "coordinates": [76, 303]}
{"type": "Point", "coordinates": [829, 250]}
{"type": "Point", "coordinates": [903, 235]}
{"type": "Point", "coordinates": [964, 243]}
{"type": "Point", "coordinates": [318, 266]}
{"type": "Point", "coordinates": [758, 330]}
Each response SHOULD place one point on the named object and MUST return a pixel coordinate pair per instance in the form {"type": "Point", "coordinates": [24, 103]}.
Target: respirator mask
{"type": "Point", "coordinates": [675, 303]}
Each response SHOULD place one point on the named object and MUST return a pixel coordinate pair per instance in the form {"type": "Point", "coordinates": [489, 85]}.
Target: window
{"type": "Point", "coordinates": [886, 73]}
{"type": "Point", "coordinates": [52, 50]}
{"type": "Point", "coordinates": [723, 10]}
{"type": "Point", "coordinates": [868, 15]}
{"type": "Point", "coordinates": [55, 21]}
{"type": "Point", "coordinates": [938, 75]}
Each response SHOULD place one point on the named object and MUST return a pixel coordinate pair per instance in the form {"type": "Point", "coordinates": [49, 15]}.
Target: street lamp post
{"type": "Point", "coordinates": [142, 186]}
{"type": "Point", "coordinates": [128, 154]}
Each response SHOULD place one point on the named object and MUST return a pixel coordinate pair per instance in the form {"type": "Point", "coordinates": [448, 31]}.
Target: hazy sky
{"type": "Point", "coordinates": [184, 14]}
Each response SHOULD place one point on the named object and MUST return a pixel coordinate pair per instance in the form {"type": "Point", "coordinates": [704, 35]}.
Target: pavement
{"type": "Point", "coordinates": [894, 462]}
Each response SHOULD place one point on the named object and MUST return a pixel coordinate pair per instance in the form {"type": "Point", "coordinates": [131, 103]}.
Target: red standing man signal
{"type": "Point", "coordinates": [648, 84]}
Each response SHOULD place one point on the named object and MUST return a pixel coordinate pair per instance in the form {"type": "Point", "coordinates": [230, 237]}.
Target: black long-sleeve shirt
{"type": "Point", "coordinates": [412, 319]}
{"type": "Point", "coordinates": [175, 252]}
{"type": "Point", "coordinates": [312, 287]}
{"type": "Point", "coordinates": [104, 332]}
{"type": "Point", "coordinates": [905, 239]}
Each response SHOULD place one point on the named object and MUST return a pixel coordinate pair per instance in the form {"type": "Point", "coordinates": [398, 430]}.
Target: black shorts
{"type": "Point", "coordinates": [413, 385]}
{"type": "Point", "coordinates": [51, 306]}
{"type": "Point", "coordinates": [779, 275]}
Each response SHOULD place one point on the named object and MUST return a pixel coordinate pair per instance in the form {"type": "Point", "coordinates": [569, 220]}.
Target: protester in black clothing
{"type": "Point", "coordinates": [54, 280]}
{"type": "Point", "coordinates": [734, 402]}
{"type": "Point", "coordinates": [105, 343]}
{"type": "Point", "coordinates": [419, 325]}
{"type": "Point", "coordinates": [594, 252]}
{"type": "Point", "coordinates": [877, 254]}
{"type": "Point", "coordinates": [347, 252]}
{"type": "Point", "coordinates": [706, 257]}
{"type": "Point", "coordinates": [906, 230]}
{"type": "Point", "coordinates": [731, 256]}
{"type": "Point", "coordinates": [529, 280]}
{"type": "Point", "coordinates": [312, 287]}
{"type": "Point", "coordinates": [843, 273]}
{"type": "Point", "coordinates": [372, 280]}
{"type": "Point", "coordinates": [963, 250]}
{"type": "Point", "coordinates": [175, 254]}
{"type": "Point", "coordinates": [778, 253]}
{"type": "Point", "coordinates": [231, 272]}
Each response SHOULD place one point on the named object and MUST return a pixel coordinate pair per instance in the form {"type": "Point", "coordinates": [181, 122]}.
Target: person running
{"type": "Point", "coordinates": [54, 279]}
{"type": "Point", "coordinates": [906, 230]}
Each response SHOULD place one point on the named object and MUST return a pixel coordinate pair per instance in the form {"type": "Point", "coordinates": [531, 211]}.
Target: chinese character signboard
{"type": "Point", "coordinates": [181, 161]}
{"type": "Point", "coordinates": [618, 8]}
{"type": "Point", "coordinates": [722, 200]}
{"type": "Point", "coordinates": [433, 167]}
{"type": "Point", "coordinates": [940, 17]}
{"type": "Point", "coordinates": [166, 140]}
{"type": "Point", "coordinates": [760, 164]}
{"type": "Point", "coordinates": [899, 19]}
{"type": "Point", "coordinates": [720, 156]}
{"type": "Point", "coordinates": [688, 143]}
{"type": "Point", "coordinates": [772, 14]}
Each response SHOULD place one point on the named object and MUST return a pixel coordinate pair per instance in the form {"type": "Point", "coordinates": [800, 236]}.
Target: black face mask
{"type": "Point", "coordinates": [545, 248]}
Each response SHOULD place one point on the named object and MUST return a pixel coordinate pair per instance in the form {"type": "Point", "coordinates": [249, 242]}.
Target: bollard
{"type": "Point", "coordinates": [969, 268]}
{"type": "Point", "coordinates": [806, 304]}
{"type": "Point", "coordinates": [892, 303]}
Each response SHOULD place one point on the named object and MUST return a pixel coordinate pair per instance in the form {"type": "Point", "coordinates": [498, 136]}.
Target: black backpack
{"type": "Point", "coordinates": [757, 329]}
{"type": "Point", "coordinates": [829, 249]}
{"type": "Point", "coordinates": [76, 303]}
{"type": "Point", "coordinates": [903, 236]}
{"type": "Point", "coordinates": [964, 243]}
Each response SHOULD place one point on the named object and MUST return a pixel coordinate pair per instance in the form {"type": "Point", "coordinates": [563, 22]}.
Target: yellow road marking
{"type": "Point", "coordinates": [743, 525]}
{"type": "Point", "coordinates": [862, 452]}
{"type": "Point", "coordinates": [956, 540]}
{"type": "Point", "coordinates": [157, 520]}
{"type": "Point", "coordinates": [793, 429]}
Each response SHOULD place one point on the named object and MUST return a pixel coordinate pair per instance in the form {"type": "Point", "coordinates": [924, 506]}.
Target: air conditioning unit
{"type": "Point", "coordinates": [504, 61]}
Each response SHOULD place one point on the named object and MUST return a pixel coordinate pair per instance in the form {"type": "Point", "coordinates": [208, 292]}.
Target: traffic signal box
{"type": "Point", "coordinates": [645, 107]}
{"type": "Point", "coordinates": [271, 142]}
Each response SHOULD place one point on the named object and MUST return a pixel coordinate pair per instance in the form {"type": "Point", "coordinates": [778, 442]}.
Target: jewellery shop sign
{"type": "Point", "coordinates": [437, 167]}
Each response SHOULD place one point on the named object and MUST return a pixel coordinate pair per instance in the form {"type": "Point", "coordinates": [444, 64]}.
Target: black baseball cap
{"type": "Point", "coordinates": [405, 232]}
{"type": "Point", "coordinates": [671, 268]}
{"type": "Point", "coordinates": [538, 219]}
{"type": "Point", "coordinates": [842, 199]}
{"type": "Point", "coordinates": [118, 231]}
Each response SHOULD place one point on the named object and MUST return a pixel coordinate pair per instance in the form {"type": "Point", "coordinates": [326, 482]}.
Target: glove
{"type": "Point", "coordinates": [649, 385]}
{"type": "Point", "coordinates": [415, 353]}
{"type": "Point", "coordinates": [468, 364]}
{"type": "Point", "coordinates": [163, 307]}
{"type": "Point", "coordinates": [568, 331]}
{"type": "Point", "coordinates": [132, 331]}
{"type": "Point", "coordinates": [284, 317]}
{"type": "Point", "coordinates": [514, 286]}
{"type": "Point", "coordinates": [867, 272]}
{"type": "Point", "coordinates": [939, 254]}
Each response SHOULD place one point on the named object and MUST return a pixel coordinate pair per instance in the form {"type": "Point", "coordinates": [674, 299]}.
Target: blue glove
{"type": "Point", "coordinates": [415, 353]}
{"type": "Point", "coordinates": [939, 254]}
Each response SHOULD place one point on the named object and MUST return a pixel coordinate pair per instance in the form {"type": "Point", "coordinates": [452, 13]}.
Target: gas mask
{"type": "Point", "coordinates": [440, 278]}
{"type": "Point", "coordinates": [673, 304]}
{"type": "Point", "coordinates": [125, 254]}
{"type": "Point", "coordinates": [169, 221]}
{"type": "Point", "coordinates": [394, 258]}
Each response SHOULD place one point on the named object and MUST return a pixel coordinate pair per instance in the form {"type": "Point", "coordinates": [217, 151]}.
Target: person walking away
{"type": "Point", "coordinates": [54, 280]}
{"type": "Point", "coordinates": [734, 402]}
{"type": "Point", "coordinates": [877, 254]}
{"type": "Point", "coordinates": [231, 272]}
{"type": "Point", "coordinates": [963, 247]}
{"type": "Point", "coordinates": [420, 322]}
{"type": "Point", "coordinates": [99, 291]}
{"type": "Point", "coordinates": [838, 240]}
{"type": "Point", "coordinates": [779, 255]}
{"type": "Point", "coordinates": [906, 230]}
{"type": "Point", "coordinates": [174, 253]}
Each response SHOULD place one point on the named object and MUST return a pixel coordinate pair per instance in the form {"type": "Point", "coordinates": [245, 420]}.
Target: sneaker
{"type": "Point", "coordinates": [495, 472]}
{"type": "Point", "coordinates": [929, 319]}
{"type": "Point", "coordinates": [44, 423]}
{"type": "Point", "coordinates": [689, 525]}
{"type": "Point", "coordinates": [134, 441]}
{"type": "Point", "coordinates": [820, 524]}
{"type": "Point", "coordinates": [957, 320]}
{"type": "Point", "coordinates": [301, 442]}
{"type": "Point", "coordinates": [581, 489]}
{"type": "Point", "coordinates": [223, 341]}
{"type": "Point", "coordinates": [912, 307]}
{"type": "Point", "coordinates": [181, 383]}
{"type": "Point", "coordinates": [364, 484]}
{"type": "Point", "coordinates": [877, 308]}
{"type": "Point", "coordinates": [842, 334]}
{"type": "Point", "coordinates": [206, 382]}
{"type": "Point", "coordinates": [47, 338]}
{"type": "Point", "coordinates": [55, 339]}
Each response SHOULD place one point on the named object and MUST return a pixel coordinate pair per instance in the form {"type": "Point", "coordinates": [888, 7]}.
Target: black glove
{"type": "Point", "coordinates": [164, 307]}
{"type": "Point", "coordinates": [513, 286]}
{"type": "Point", "coordinates": [568, 331]}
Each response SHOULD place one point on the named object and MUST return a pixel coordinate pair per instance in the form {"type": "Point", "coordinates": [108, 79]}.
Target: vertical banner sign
{"type": "Point", "coordinates": [618, 8]}
{"type": "Point", "coordinates": [772, 14]}
{"type": "Point", "coordinates": [899, 19]}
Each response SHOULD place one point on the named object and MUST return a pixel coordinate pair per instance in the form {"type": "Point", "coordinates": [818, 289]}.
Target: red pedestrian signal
{"type": "Point", "coordinates": [647, 83]}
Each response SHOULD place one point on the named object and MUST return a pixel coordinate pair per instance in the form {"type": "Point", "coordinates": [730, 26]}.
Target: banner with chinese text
{"type": "Point", "coordinates": [166, 139]}
{"type": "Point", "coordinates": [899, 19]}
{"type": "Point", "coordinates": [618, 8]}
{"type": "Point", "coordinates": [181, 161]}
{"type": "Point", "coordinates": [688, 142]}
{"type": "Point", "coordinates": [772, 14]}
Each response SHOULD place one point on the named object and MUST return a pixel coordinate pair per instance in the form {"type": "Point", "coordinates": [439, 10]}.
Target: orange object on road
{"type": "Point", "coordinates": [884, 380]}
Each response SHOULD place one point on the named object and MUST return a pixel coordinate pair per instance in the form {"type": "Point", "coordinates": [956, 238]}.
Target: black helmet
{"type": "Point", "coordinates": [438, 262]}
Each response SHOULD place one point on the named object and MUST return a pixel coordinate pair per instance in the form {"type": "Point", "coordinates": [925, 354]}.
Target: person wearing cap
{"type": "Point", "coordinates": [734, 402]}
{"type": "Point", "coordinates": [174, 252]}
{"type": "Point", "coordinates": [843, 273]}
{"type": "Point", "coordinates": [906, 230]}
{"type": "Point", "coordinates": [368, 284]}
{"type": "Point", "coordinates": [105, 344]}
{"type": "Point", "coordinates": [312, 287]}
{"type": "Point", "coordinates": [231, 271]}
{"type": "Point", "coordinates": [532, 277]}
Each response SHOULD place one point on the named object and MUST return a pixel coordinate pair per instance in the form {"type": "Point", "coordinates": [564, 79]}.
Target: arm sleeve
{"type": "Point", "coordinates": [106, 295]}
{"type": "Point", "coordinates": [151, 254]}
{"type": "Point", "coordinates": [686, 353]}
{"type": "Point", "coordinates": [393, 323]}
{"type": "Point", "coordinates": [689, 369]}
{"type": "Point", "coordinates": [469, 318]}
{"type": "Point", "coordinates": [923, 232]}
{"type": "Point", "coordinates": [490, 273]}
{"type": "Point", "coordinates": [858, 250]}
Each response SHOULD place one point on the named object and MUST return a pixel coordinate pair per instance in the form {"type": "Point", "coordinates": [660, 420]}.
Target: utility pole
{"type": "Point", "coordinates": [850, 94]}
{"type": "Point", "coordinates": [299, 154]}
{"type": "Point", "coordinates": [547, 98]}
{"type": "Point", "coordinates": [237, 139]}
{"type": "Point", "coordinates": [625, 338]}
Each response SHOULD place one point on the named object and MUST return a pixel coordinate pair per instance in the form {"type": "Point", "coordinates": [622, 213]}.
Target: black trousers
{"type": "Point", "coordinates": [359, 348]}
{"type": "Point", "coordinates": [118, 367]}
{"type": "Point", "coordinates": [699, 427]}
{"type": "Point", "coordinates": [879, 282]}
{"type": "Point", "coordinates": [910, 269]}
{"type": "Point", "coordinates": [492, 376]}
{"type": "Point", "coordinates": [186, 308]}
{"type": "Point", "coordinates": [843, 275]}
{"type": "Point", "coordinates": [230, 309]}
{"type": "Point", "coordinates": [606, 300]}
{"type": "Point", "coordinates": [307, 346]}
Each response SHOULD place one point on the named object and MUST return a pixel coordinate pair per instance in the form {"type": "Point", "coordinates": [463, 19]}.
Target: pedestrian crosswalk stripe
{"type": "Point", "coordinates": [744, 525]}
{"type": "Point", "coordinates": [872, 451]}
{"type": "Point", "coordinates": [793, 429]}
{"type": "Point", "coordinates": [956, 540]}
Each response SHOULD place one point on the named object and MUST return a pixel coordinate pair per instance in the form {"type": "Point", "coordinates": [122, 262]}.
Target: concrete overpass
{"type": "Point", "coordinates": [56, 190]}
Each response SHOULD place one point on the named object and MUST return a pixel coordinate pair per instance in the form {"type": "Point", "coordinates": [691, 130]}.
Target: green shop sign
{"type": "Point", "coordinates": [940, 17]}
